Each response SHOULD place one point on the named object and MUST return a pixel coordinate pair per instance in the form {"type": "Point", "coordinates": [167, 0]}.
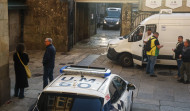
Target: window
{"type": "Point", "coordinates": [137, 34]}
{"type": "Point", "coordinates": [113, 14]}
{"type": "Point", "coordinates": [116, 89]}
{"type": "Point", "coordinates": [152, 27]}
{"type": "Point", "coordinates": [62, 102]}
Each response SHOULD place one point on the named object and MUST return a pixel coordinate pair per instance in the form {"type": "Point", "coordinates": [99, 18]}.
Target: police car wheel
{"type": "Point", "coordinates": [126, 60]}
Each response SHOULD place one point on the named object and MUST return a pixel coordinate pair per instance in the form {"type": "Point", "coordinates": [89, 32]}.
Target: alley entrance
{"type": "Point", "coordinates": [105, 19]}
{"type": "Point", "coordinates": [97, 22]}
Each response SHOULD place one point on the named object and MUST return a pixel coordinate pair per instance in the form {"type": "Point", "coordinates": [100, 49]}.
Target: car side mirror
{"type": "Point", "coordinates": [131, 86]}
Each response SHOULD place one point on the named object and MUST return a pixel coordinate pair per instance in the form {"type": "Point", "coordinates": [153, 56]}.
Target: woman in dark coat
{"type": "Point", "coordinates": [20, 73]}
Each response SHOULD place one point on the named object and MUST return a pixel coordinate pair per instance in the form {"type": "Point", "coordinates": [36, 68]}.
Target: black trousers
{"type": "Point", "coordinates": [48, 74]}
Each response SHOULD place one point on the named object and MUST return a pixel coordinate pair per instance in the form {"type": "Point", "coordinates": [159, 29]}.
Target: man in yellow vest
{"type": "Point", "coordinates": [152, 54]}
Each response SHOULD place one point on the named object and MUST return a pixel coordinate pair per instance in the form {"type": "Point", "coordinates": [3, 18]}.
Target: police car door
{"type": "Point", "coordinates": [137, 45]}
{"type": "Point", "coordinates": [117, 89]}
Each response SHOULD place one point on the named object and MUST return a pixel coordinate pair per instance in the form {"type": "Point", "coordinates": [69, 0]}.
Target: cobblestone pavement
{"type": "Point", "coordinates": [152, 94]}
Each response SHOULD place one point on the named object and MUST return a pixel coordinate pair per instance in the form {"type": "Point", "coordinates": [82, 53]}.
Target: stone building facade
{"type": "Point", "coordinates": [126, 19]}
{"type": "Point", "coordinates": [4, 53]}
{"type": "Point", "coordinates": [46, 18]}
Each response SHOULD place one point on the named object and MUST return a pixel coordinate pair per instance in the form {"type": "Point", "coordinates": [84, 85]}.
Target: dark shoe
{"type": "Point", "coordinates": [21, 97]}
{"type": "Point", "coordinates": [153, 75]}
{"type": "Point", "coordinates": [180, 80]}
{"type": "Point", "coordinates": [147, 72]}
{"type": "Point", "coordinates": [186, 82]}
{"type": "Point", "coordinates": [15, 95]}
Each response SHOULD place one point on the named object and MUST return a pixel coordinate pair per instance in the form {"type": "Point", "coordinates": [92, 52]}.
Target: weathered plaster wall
{"type": "Point", "coordinates": [46, 18]}
{"type": "Point", "coordinates": [14, 29]}
{"type": "Point", "coordinates": [4, 53]}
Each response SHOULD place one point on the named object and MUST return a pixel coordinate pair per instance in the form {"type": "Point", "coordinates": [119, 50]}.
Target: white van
{"type": "Point", "coordinates": [129, 49]}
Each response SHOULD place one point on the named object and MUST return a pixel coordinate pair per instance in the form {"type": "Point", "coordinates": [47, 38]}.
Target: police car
{"type": "Point", "coordinates": [80, 88]}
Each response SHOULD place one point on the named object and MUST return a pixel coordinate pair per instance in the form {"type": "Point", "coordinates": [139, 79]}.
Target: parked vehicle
{"type": "Point", "coordinates": [129, 49]}
{"type": "Point", "coordinates": [81, 88]}
{"type": "Point", "coordinates": [112, 19]}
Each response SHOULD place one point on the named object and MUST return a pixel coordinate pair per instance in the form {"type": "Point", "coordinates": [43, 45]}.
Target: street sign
{"type": "Point", "coordinates": [153, 3]}
{"type": "Point", "coordinates": [188, 3]}
{"type": "Point", "coordinates": [173, 3]}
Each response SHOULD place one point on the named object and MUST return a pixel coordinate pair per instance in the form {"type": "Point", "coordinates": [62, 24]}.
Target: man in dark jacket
{"type": "Point", "coordinates": [185, 67]}
{"type": "Point", "coordinates": [48, 61]}
{"type": "Point", "coordinates": [178, 51]}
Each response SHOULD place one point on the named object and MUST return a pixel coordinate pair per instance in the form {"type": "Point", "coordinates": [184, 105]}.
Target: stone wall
{"type": "Point", "coordinates": [46, 18]}
{"type": "Point", "coordinates": [125, 19]}
{"type": "Point", "coordinates": [4, 53]}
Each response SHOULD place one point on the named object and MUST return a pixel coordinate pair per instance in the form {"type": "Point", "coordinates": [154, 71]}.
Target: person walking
{"type": "Point", "coordinates": [152, 54]}
{"type": "Point", "coordinates": [178, 51]}
{"type": "Point", "coordinates": [20, 73]}
{"type": "Point", "coordinates": [185, 67]}
{"type": "Point", "coordinates": [48, 61]}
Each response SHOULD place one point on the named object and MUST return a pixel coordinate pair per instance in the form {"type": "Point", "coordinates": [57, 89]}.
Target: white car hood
{"type": "Point", "coordinates": [116, 41]}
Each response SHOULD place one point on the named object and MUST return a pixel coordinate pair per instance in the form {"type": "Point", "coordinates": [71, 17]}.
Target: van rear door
{"type": "Point", "coordinates": [137, 45]}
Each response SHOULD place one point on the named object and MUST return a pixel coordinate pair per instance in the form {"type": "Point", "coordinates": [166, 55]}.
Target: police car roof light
{"type": "Point", "coordinates": [83, 70]}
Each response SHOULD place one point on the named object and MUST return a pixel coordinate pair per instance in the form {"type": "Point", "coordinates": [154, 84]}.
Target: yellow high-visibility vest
{"type": "Point", "coordinates": [154, 50]}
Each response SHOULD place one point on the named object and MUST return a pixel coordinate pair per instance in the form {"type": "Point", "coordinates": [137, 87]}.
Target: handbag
{"type": "Point", "coordinates": [28, 72]}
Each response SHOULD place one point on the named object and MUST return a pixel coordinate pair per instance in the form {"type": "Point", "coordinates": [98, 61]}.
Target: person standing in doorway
{"type": "Point", "coordinates": [185, 67]}
{"type": "Point", "coordinates": [178, 51]}
{"type": "Point", "coordinates": [48, 61]}
{"type": "Point", "coordinates": [152, 54]}
{"type": "Point", "coordinates": [20, 73]}
{"type": "Point", "coordinates": [148, 35]}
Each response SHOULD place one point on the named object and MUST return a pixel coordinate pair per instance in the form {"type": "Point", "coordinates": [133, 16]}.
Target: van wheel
{"type": "Point", "coordinates": [126, 60]}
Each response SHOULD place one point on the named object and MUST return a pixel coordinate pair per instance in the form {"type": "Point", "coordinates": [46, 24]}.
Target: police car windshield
{"type": "Point", "coordinates": [65, 102]}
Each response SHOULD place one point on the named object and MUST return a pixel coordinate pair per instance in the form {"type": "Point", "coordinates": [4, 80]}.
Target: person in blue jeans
{"type": "Point", "coordinates": [185, 67]}
{"type": "Point", "coordinates": [48, 61]}
{"type": "Point", "coordinates": [178, 51]}
{"type": "Point", "coordinates": [152, 54]}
